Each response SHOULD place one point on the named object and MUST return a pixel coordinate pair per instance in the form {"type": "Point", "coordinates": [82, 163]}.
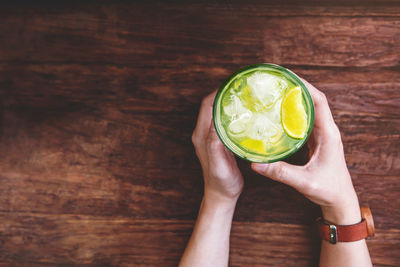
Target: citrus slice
{"type": "Point", "coordinates": [254, 145]}
{"type": "Point", "coordinates": [293, 114]}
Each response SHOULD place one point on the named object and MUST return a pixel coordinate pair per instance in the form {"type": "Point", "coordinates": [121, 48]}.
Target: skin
{"type": "Point", "coordinates": [325, 180]}
{"type": "Point", "coordinates": [223, 183]}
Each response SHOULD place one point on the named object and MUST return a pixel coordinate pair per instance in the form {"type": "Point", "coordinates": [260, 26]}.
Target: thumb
{"type": "Point", "coordinates": [282, 172]}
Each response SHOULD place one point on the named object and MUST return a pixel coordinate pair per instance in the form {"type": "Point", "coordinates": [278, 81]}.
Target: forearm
{"type": "Point", "coordinates": [209, 243]}
{"type": "Point", "coordinates": [344, 254]}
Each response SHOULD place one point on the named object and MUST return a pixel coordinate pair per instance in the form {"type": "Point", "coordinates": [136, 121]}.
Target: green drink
{"type": "Point", "coordinates": [263, 113]}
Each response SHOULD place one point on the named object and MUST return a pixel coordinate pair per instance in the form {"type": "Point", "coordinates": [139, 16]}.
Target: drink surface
{"type": "Point", "coordinates": [254, 117]}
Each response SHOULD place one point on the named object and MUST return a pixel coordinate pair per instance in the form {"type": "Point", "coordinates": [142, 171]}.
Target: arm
{"type": "Point", "coordinates": [326, 181]}
{"type": "Point", "coordinates": [223, 183]}
{"type": "Point", "coordinates": [209, 243]}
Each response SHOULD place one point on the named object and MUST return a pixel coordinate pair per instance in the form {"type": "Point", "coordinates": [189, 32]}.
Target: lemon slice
{"type": "Point", "coordinates": [254, 145]}
{"type": "Point", "coordinates": [293, 114]}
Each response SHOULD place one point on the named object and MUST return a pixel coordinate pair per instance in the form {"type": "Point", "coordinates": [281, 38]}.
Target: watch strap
{"type": "Point", "coordinates": [342, 233]}
{"type": "Point", "coordinates": [347, 233]}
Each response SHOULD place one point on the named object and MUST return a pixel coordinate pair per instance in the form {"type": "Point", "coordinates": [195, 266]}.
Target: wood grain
{"type": "Point", "coordinates": [157, 36]}
{"type": "Point", "coordinates": [98, 102]}
{"type": "Point", "coordinates": [87, 241]}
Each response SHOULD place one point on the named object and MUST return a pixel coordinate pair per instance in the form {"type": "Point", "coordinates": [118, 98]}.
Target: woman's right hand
{"type": "Point", "coordinates": [325, 179]}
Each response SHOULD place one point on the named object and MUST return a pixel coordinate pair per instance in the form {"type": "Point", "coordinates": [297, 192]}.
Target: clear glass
{"type": "Point", "coordinates": [275, 153]}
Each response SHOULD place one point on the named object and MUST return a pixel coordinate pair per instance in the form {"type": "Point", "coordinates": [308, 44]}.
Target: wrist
{"type": "Point", "coordinates": [346, 213]}
{"type": "Point", "coordinates": [216, 201]}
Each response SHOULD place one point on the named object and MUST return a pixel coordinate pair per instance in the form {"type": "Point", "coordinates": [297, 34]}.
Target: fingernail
{"type": "Point", "coordinates": [258, 167]}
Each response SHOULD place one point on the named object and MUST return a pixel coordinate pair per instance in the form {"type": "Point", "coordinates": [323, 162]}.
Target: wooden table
{"type": "Point", "coordinates": [98, 103]}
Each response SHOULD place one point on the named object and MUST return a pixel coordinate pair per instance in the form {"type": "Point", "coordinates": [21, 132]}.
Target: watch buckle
{"type": "Point", "coordinates": [332, 234]}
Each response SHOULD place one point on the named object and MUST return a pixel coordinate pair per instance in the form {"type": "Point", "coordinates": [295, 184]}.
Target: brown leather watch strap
{"type": "Point", "coordinates": [347, 233]}
{"type": "Point", "coordinates": [342, 233]}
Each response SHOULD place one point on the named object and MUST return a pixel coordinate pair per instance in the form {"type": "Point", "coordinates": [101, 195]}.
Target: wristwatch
{"type": "Point", "coordinates": [347, 233]}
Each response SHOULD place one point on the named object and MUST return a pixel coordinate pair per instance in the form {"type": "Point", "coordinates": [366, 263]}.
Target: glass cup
{"type": "Point", "coordinates": [284, 145]}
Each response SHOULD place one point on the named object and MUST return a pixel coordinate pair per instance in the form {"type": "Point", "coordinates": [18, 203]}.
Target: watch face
{"type": "Point", "coordinates": [366, 214]}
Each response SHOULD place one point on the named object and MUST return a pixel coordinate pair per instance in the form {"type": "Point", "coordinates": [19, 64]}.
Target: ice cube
{"type": "Point", "coordinates": [239, 125]}
{"type": "Point", "coordinates": [262, 128]}
{"type": "Point", "coordinates": [237, 86]}
{"type": "Point", "coordinates": [235, 108]}
{"type": "Point", "coordinates": [266, 87]}
{"type": "Point", "coordinates": [274, 113]}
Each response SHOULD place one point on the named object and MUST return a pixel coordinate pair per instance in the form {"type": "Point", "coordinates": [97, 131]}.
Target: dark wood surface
{"type": "Point", "coordinates": [98, 103]}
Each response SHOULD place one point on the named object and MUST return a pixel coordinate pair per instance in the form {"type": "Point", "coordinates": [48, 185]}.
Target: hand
{"type": "Point", "coordinates": [222, 178]}
{"type": "Point", "coordinates": [325, 179]}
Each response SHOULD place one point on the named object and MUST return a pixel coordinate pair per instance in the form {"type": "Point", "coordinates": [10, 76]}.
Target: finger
{"type": "Point", "coordinates": [215, 146]}
{"type": "Point", "coordinates": [282, 172]}
{"type": "Point", "coordinates": [324, 124]}
{"type": "Point", "coordinates": [322, 111]}
{"type": "Point", "coordinates": [312, 142]}
{"type": "Point", "coordinates": [218, 153]}
{"type": "Point", "coordinates": [205, 116]}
